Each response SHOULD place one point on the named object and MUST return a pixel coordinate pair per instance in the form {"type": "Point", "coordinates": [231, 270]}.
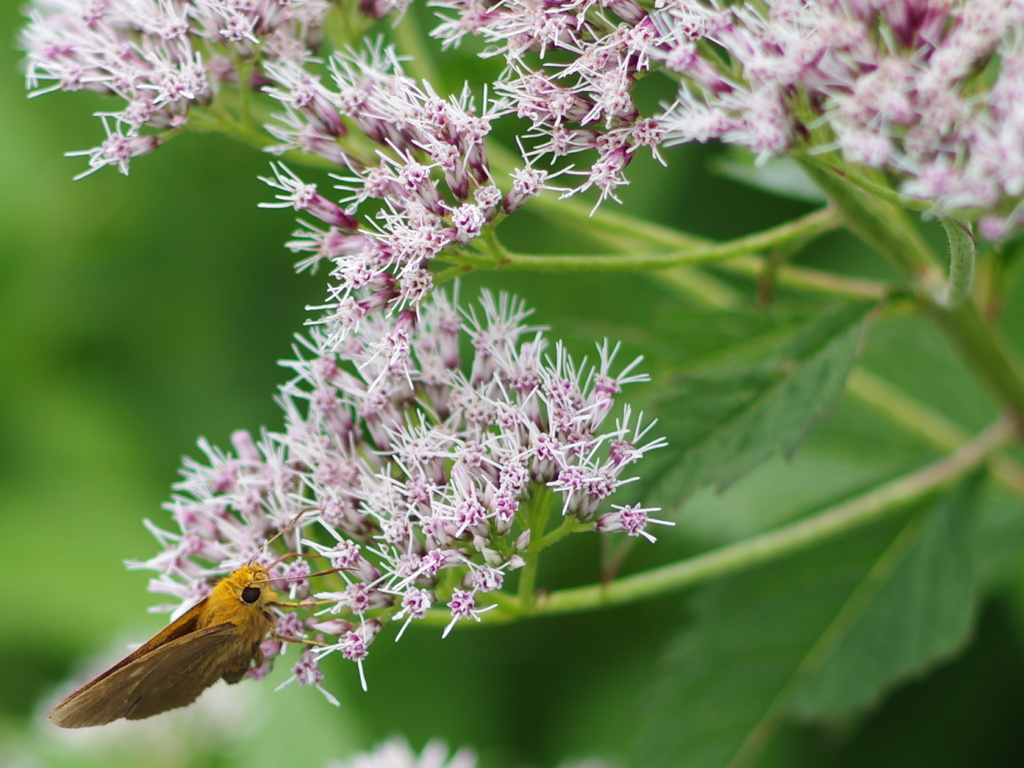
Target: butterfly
{"type": "Point", "coordinates": [219, 637]}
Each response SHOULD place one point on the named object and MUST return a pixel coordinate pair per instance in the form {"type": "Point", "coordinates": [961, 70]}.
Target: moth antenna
{"type": "Point", "coordinates": [325, 573]}
{"type": "Point", "coordinates": [287, 555]}
{"type": "Point", "coordinates": [288, 527]}
{"type": "Point", "coordinates": [295, 578]}
{"type": "Point", "coordinates": [302, 640]}
{"type": "Point", "coordinates": [303, 604]}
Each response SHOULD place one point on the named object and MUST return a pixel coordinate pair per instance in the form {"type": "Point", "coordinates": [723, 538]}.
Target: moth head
{"type": "Point", "coordinates": [251, 585]}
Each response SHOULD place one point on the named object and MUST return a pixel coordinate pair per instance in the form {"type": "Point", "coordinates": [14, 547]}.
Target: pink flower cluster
{"type": "Point", "coordinates": [161, 58]}
{"type": "Point", "coordinates": [570, 71]}
{"type": "Point", "coordinates": [428, 183]}
{"type": "Point", "coordinates": [425, 480]}
{"type": "Point", "coordinates": [930, 90]}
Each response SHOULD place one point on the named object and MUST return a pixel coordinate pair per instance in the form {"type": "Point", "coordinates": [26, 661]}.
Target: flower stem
{"type": "Point", "coordinates": [903, 410]}
{"type": "Point", "coordinates": [882, 225]}
{"type": "Point", "coordinates": [410, 39]}
{"type": "Point", "coordinates": [917, 419]}
{"type": "Point", "coordinates": [609, 225]}
{"type": "Point", "coordinates": [831, 523]}
{"type": "Point", "coordinates": [538, 513]}
{"type": "Point", "coordinates": [886, 228]}
{"type": "Point", "coordinates": [985, 351]}
{"type": "Point", "coordinates": [962, 250]}
{"type": "Point", "coordinates": [873, 188]}
{"type": "Point", "coordinates": [812, 280]}
{"type": "Point", "coordinates": [629, 234]}
{"type": "Point", "coordinates": [875, 505]}
{"type": "Point", "coordinates": [797, 230]}
{"type": "Point", "coordinates": [569, 525]}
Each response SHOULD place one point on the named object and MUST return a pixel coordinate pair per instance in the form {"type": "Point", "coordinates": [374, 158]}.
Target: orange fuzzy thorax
{"type": "Point", "coordinates": [226, 604]}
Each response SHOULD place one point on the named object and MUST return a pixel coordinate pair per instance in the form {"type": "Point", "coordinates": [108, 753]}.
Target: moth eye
{"type": "Point", "coordinates": [251, 594]}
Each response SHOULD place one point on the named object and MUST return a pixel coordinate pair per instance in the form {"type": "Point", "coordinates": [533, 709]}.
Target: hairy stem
{"type": "Point", "coordinates": [918, 419]}
{"type": "Point", "coordinates": [882, 225]}
{"type": "Point", "coordinates": [984, 350]}
{"type": "Point", "coordinates": [629, 234]}
{"type": "Point", "coordinates": [887, 228]}
{"type": "Point", "coordinates": [887, 499]}
{"type": "Point", "coordinates": [962, 250]}
{"type": "Point", "coordinates": [831, 523]}
{"type": "Point", "coordinates": [797, 230]}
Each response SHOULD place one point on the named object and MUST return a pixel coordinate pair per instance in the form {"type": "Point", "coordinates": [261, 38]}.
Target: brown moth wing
{"type": "Point", "coordinates": [183, 625]}
{"type": "Point", "coordinates": [171, 675]}
{"type": "Point", "coordinates": [218, 637]}
{"type": "Point", "coordinates": [177, 673]}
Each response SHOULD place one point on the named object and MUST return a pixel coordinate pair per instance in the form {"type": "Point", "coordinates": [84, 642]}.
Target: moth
{"type": "Point", "coordinates": [217, 638]}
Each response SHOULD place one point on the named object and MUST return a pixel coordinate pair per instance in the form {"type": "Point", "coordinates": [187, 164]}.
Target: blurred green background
{"type": "Point", "coordinates": [139, 313]}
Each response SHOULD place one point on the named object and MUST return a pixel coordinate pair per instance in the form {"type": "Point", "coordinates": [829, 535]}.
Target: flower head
{"type": "Point", "coordinates": [160, 58]}
{"type": "Point", "coordinates": [416, 474]}
{"type": "Point", "coordinates": [925, 89]}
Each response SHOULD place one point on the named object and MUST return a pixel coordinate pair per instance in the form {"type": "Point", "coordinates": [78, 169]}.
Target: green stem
{"type": "Point", "coordinates": [452, 273]}
{"type": "Point", "coordinates": [410, 39]}
{"type": "Point", "coordinates": [829, 524]}
{"type": "Point", "coordinates": [874, 189]}
{"type": "Point", "coordinates": [887, 229]}
{"type": "Point", "coordinates": [811, 280]}
{"type": "Point", "coordinates": [628, 233]}
{"type": "Point", "coordinates": [702, 288]}
{"type": "Point", "coordinates": [880, 224]}
{"type": "Point", "coordinates": [834, 522]}
{"type": "Point", "coordinates": [569, 525]}
{"type": "Point", "coordinates": [538, 513]}
{"type": "Point", "coordinates": [962, 250]}
{"type": "Point", "coordinates": [985, 351]}
{"type": "Point", "coordinates": [797, 230]}
{"type": "Point", "coordinates": [918, 419]}
{"type": "Point", "coordinates": [244, 68]}
{"type": "Point", "coordinates": [218, 121]}
{"type": "Point", "coordinates": [345, 25]}
{"type": "Point", "coordinates": [610, 225]}
{"type": "Point", "coordinates": [903, 410]}
{"type": "Point", "coordinates": [606, 223]}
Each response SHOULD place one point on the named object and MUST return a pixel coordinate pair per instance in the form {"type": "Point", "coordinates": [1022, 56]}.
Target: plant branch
{"type": "Point", "coordinates": [882, 225]}
{"type": "Point", "coordinates": [813, 280]}
{"type": "Point", "coordinates": [916, 418]}
{"type": "Point", "coordinates": [831, 523]}
{"type": "Point", "coordinates": [629, 234]}
{"type": "Point", "coordinates": [984, 350]}
{"type": "Point", "coordinates": [800, 229]}
{"type": "Point", "coordinates": [871, 187]}
{"type": "Point", "coordinates": [886, 228]}
{"type": "Point", "coordinates": [887, 499]}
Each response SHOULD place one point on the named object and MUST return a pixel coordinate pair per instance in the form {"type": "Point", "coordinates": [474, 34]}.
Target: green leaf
{"type": "Point", "coordinates": [754, 395]}
{"type": "Point", "coordinates": [706, 341]}
{"type": "Point", "coordinates": [915, 607]}
{"type": "Point", "coordinates": [817, 633]}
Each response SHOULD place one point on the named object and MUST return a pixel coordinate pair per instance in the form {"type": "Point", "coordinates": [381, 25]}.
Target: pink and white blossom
{"type": "Point", "coordinates": [410, 472]}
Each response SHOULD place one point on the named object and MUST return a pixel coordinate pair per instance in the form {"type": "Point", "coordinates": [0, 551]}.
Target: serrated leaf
{"type": "Point", "coordinates": [762, 638]}
{"type": "Point", "coordinates": [718, 340]}
{"type": "Point", "coordinates": [741, 409]}
{"type": "Point", "coordinates": [915, 607]}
